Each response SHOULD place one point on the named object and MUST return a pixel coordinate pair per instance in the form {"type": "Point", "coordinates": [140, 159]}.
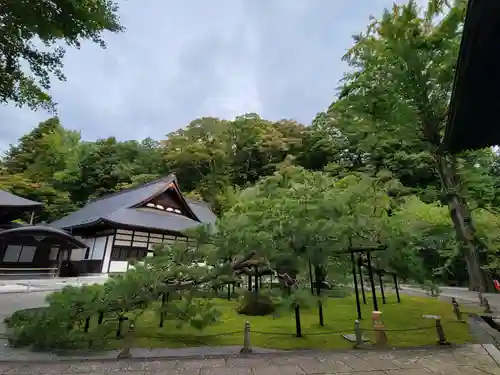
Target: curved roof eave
{"type": "Point", "coordinates": [48, 231]}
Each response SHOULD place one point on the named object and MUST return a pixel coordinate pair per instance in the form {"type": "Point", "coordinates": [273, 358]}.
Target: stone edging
{"type": "Point", "coordinates": [258, 352]}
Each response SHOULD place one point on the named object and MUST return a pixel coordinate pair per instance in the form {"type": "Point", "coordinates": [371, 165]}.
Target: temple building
{"type": "Point", "coordinates": [128, 224]}
{"type": "Point", "coordinates": [28, 250]}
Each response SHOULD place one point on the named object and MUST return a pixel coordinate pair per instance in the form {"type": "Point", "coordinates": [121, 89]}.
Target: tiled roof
{"type": "Point", "coordinates": [119, 208]}
{"type": "Point", "coordinates": [10, 200]}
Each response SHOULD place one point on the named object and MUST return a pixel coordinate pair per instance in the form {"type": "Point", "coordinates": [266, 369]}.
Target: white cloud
{"type": "Point", "coordinates": [182, 60]}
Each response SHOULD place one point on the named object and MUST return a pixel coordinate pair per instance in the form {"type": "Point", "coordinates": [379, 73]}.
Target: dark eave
{"type": "Point", "coordinates": [43, 231]}
{"type": "Point", "coordinates": [473, 113]}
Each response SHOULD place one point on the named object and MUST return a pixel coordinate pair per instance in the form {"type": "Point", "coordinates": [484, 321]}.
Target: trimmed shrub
{"type": "Point", "coordinates": [256, 304]}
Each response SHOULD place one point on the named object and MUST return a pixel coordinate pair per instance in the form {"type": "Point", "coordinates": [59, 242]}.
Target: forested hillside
{"type": "Point", "coordinates": [385, 127]}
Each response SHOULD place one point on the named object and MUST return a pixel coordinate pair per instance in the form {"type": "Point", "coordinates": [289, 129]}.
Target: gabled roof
{"type": "Point", "coordinates": [122, 208]}
{"type": "Point", "coordinates": [10, 200]}
{"type": "Point", "coordinates": [473, 115]}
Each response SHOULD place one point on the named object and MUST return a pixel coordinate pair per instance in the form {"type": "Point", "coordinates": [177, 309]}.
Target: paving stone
{"type": "Point", "coordinates": [472, 349]}
{"type": "Point", "coordinates": [202, 363]}
{"type": "Point", "coordinates": [226, 371]}
{"type": "Point", "coordinates": [325, 367]}
{"type": "Point", "coordinates": [39, 369]}
{"type": "Point", "coordinates": [450, 368]}
{"type": "Point", "coordinates": [294, 360]}
{"type": "Point", "coordinates": [279, 370]}
{"type": "Point", "coordinates": [420, 371]}
{"type": "Point", "coordinates": [4, 368]}
{"type": "Point", "coordinates": [250, 362]}
{"type": "Point", "coordinates": [115, 367]}
{"type": "Point", "coordinates": [373, 364]}
{"type": "Point", "coordinates": [474, 360]}
{"type": "Point", "coordinates": [408, 363]}
{"type": "Point", "coordinates": [363, 373]}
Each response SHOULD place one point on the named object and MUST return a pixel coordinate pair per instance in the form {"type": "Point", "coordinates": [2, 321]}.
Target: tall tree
{"type": "Point", "coordinates": [396, 98]}
{"type": "Point", "coordinates": [52, 22]}
{"type": "Point", "coordinates": [46, 150]}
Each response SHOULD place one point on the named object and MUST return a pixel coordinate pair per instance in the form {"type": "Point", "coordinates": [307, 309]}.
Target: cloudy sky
{"type": "Point", "coordinates": [179, 60]}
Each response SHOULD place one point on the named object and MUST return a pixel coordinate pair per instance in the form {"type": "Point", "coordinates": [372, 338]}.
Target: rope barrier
{"type": "Point", "coordinates": [401, 329]}
{"type": "Point", "coordinates": [293, 334]}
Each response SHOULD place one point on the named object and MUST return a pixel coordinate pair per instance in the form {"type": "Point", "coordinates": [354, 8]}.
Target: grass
{"type": "Point", "coordinates": [279, 332]}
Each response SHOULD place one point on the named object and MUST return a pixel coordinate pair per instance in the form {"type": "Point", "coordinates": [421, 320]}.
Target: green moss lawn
{"type": "Point", "coordinates": [279, 332]}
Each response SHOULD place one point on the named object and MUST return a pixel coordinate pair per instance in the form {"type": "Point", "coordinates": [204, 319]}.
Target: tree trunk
{"type": "Point", "coordinates": [462, 222]}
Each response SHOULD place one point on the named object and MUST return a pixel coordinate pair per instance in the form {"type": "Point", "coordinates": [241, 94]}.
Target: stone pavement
{"type": "Point", "coordinates": [469, 360]}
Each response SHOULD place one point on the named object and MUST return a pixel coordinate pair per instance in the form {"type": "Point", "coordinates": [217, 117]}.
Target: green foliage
{"type": "Point", "coordinates": [256, 304]}
{"type": "Point", "coordinates": [53, 23]}
{"type": "Point", "coordinates": [61, 324]}
{"type": "Point", "coordinates": [198, 313]}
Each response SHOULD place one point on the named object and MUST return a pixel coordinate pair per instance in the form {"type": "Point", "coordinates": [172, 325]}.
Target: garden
{"type": "Point", "coordinates": [284, 258]}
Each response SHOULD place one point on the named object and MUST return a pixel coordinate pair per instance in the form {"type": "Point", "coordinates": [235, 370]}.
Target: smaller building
{"type": "Point", "coordinates": [128, 224]}
{"type": "Point", "coordinates": [31, 250]}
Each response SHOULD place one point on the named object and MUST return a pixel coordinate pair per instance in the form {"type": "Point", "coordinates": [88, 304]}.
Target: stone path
{"type": "Point", "coordinates": [469, 360]}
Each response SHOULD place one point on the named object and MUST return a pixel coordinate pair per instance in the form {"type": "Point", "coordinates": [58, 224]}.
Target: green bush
{"type": "Point", "coordinates": [338, 291]}
{"type": "Point", "coordinates": [22, 317]}
{"type": "Point", "coordinates": [256, 304]}
{"type": "Point", "coordinates": [59, 325]}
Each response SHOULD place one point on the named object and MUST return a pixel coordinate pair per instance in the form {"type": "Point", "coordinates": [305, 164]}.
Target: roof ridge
{"type": "Point", "coordinates": [131, 188]}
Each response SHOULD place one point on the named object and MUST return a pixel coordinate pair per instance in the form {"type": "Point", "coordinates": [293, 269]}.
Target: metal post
{"type": "Point", "coordinates": [372, 282]}
{"type": "Point", "coordinates": [381, 282]}
{"type": "Point", "coordinates": [246, 339]}
{"type": "Point", "coordinates": [358, 334]}
{"type": "Point", "coordinates": [396, 286]}
{"type": "Point", "coordinates": [358, 305]}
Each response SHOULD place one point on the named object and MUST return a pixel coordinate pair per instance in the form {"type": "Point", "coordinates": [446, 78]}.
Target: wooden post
{"type": "Point", "coordinates": [396, 286]}
{"type": "Point", "coordinates": [487, 308]}
{"type": "Point", "coordinates": [358, 334]}
{"type": "Point", "coordinates": [361, 281]}
{"type": "Point", "coordinates": [125, 353]}
{"type": "Point", "coordinates": [372, 282]}
{"type": "Point", "coordinates": [162, 315]}
{"type": "Point", "coordinates": [358, 305]}
{"type": "Point", "coordinates": [378, 326]}
{"type": "Point", "coordinates": [456, 309]}
{"type": "Point", "coordinates": [246, 339]}
{"type": "Point", "coordinates": [87, 324]}
{"type": "Point", "coordinates": [121, 319]}
{"type": "Point", "coordinates": [481, 298]}
{"type": "Point", "coordinates": [381, 282]}
{"type": "Point", "coordinates": [440, 332]}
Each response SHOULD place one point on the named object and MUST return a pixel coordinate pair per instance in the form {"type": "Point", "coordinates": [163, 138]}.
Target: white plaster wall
{"type": "Point", "coordinates": [118, 266]}
{"type": "Point", "coordinates": [99, 247]}
{"type": "Point", "coordinates": [107, 255]}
